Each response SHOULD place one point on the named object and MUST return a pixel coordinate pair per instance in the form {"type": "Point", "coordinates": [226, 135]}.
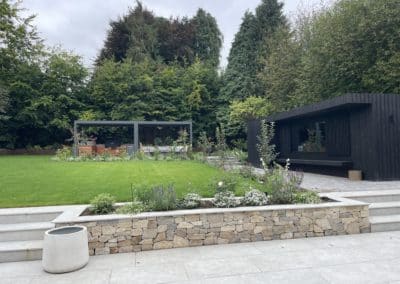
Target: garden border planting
{"type": "Point", "coordinates": [108, 234]}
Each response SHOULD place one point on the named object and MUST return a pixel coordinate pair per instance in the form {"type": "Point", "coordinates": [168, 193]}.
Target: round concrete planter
{"type": "Point", "coordinates": [65, 249]}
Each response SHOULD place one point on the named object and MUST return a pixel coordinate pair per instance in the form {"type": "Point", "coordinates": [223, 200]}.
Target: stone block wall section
{"type": "Point", "coordinates": [161, 230]}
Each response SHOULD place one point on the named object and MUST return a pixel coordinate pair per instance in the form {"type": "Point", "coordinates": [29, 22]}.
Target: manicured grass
{"type": "Point", "coordinates": [37, 180]}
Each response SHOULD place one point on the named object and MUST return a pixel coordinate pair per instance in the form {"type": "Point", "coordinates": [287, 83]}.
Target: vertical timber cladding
{"type": "Point", "coordinates": [253, 129]}
{"type": "Point", "coordinates": [386, 111]}
{"type": "Point", "coordinates": [363, 128]}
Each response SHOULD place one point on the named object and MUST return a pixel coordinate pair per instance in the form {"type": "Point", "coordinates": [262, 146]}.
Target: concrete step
{"type": "Point", "coordinates": [20, 250]}
{"type": "Point", "coordinates": [385, 223]}
{"type": "Point", "coordinates": [27, 217]}
{"type": "Point", "coordinates": [384, 208]}
{"type": "Point", "coordinates": [24, 231]}
{"type": "Point", "coordinates": [378, 198]}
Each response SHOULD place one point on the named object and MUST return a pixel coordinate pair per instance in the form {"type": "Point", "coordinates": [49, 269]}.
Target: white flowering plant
{"type": "Point", "coordinates": [255, 197]}
{"type": "Point", "coordinates": [225, 199]}
{"type": "Point", "coordinates": [190, 201]}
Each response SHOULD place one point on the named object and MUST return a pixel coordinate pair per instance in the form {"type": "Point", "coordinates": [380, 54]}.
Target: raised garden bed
{"type": "Point", "coordinates": [207, 226]}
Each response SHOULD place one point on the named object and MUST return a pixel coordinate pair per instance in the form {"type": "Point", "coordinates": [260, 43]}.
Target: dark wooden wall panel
{"type": "Point", "coordinates": [386, 110]}
{"type": "Point", "coordinates": [363, 151]}
{"type": "Point", "coordinates": [338, 134]}
{"type": "Point", "coordinates": [253, 130]}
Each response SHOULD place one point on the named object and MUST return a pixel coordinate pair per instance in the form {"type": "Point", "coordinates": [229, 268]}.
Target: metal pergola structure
{"type": "Point", "coordinates": [132, 123]}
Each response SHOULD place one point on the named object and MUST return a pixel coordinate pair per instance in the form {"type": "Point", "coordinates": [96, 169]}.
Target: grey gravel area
{"type": "Point", "coordinates": [365, 258]}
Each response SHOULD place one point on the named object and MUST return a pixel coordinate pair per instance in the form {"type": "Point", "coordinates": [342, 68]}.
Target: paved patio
{"type": "Point", "coordinates": [327, 183]}
{"type": "Point", "coordinates": [366, 258]}
{"type": "Point", "coordinates": [324, 183]}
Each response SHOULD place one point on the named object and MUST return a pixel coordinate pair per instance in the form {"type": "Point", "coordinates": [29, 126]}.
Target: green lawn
{"type": "Point", "coordinates": [37, 180]}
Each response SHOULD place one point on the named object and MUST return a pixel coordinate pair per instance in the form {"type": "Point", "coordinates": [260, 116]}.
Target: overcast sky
{"type": "Point", "coordinates": [81, 25]}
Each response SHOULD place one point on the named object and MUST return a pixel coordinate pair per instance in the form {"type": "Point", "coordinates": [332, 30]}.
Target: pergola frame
{"type": "Point", "coordinates": [132, 123]}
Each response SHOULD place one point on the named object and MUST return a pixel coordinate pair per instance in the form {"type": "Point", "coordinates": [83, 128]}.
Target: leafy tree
{"type": "Point", "coordinates": [207, 38]}
{"type": "Point", "coordinates": [281, 70]}
{"type": "Point", "coordinates": [3, 99]}
{"type": "Point", "coordinates": [20, 48]}
{"type": "Point", "coordinates": [140, 34]}
{"type": "Point", "coordinates": [239, 77]}
{"type": "Point", "coordinates": [247, 49]}
{"type": "Point", "coordinates": [134, 34]}
{"type": "Point", "coordinates": [19, 45]}
{"type": "Point", "coordinates": [348, 47]}
{"type": "Point", "coordinates": [220, 143]}
{"type": "Point", "coordinates": [151, 90]}
{"type": "Point", "coordinates": [240, 80]}
{"type": "Point", "coordinates": [46, 100]}
{"type": "Point", "coordinates": [250, 108]}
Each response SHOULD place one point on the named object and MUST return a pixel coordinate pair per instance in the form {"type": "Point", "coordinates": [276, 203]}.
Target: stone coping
{"type": "Point", "coordinates": [41, 209]}
{"type": "Point", "coordinates": [73, 215]}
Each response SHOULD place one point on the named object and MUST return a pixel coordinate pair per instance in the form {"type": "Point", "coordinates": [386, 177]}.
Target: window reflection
{"type": "Point", "coordinates": [312, 137]}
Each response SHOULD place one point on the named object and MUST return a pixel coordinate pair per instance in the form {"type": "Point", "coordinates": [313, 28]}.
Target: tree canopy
{"type": "Point", "coordinates": [140, 34]}
{"type": "Point", "coordinates": [351, 46]}
{"type": "Point", "coordinates": [156, 68]}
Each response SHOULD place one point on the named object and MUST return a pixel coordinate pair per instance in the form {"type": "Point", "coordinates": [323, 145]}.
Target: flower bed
{"type": "Point", "coordinates": [182, 228]}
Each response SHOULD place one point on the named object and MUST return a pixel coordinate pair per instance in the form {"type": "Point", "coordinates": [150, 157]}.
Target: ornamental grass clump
{"type": "Point", "coordinates": [103, 204]}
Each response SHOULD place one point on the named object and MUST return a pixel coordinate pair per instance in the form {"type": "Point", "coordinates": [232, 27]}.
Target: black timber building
{"type": "Point", "coordinates": [354, 131]}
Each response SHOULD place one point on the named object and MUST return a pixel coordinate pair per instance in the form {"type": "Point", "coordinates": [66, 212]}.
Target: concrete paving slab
{"type": "Point", "coordinates": [159, 273]}
{"type": "Point", "coordinates": [365, 258]}
{"type": "Point", "coordinates": [219, 267]}
{"type": "Point", "coordinates": [362, 273]}
{"type": "Point", "coordinates": [87, 276]}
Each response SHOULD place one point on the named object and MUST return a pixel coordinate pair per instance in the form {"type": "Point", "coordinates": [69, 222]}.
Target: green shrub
{"type": "Point", "coordinates": [204, 143]}
{"type": "Point", "coordinates": [226, 182]}
{"type": "Point", "coordinates": [140, 155]}
{"type": "Point", "coordinates": [246, 171]}
{"type": "Point", "coordinates": [158, 141]}
{"type": "Point", "coordinates": [103, 204]}
{"type": "Point", "coordinates": [280, 192]}
{"type": "Point", "coordinates": [198, 156]}
{"type": "Point", "coordinates": [282, 185]}
{"type": "Point", "coordinates": [273, 179]}
{"type": "Point", "coordinates": [220, 146]}
{"type": "Point", "coordinates": [64, 153]}
{"type": "Point", "coordinates": [134, 207]}
{"type": "Point", "coordinates": [240, 155]}
{"type": "Point", "coordinates": [307, 197]}
{"type": "Point", "coordinates": [159, 198]}
{"type": "Point", "coordinates": [255, 197]}
{"type": "Point", "coordinates": [157, 154]}
{"type": "Point", "coordinates": [225, 199]}
{"type": "Point", "coordinates": [190, 201]}
{"type": "Point", "coordinates": [265, 147]}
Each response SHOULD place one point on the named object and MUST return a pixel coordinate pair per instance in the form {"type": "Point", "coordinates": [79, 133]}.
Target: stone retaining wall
{"type": "Point", "coordinates": [199, 227]}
